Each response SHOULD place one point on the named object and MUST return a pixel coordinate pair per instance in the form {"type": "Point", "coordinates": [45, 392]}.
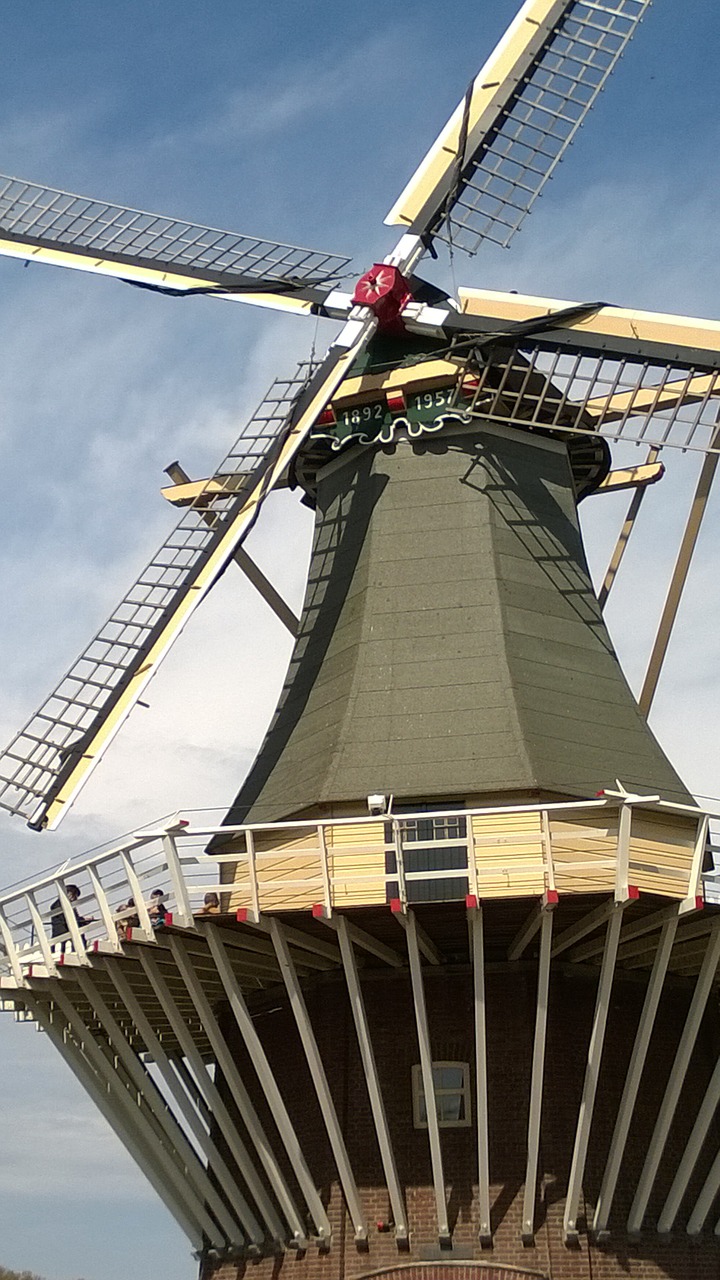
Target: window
{"type": "Point", "coordinates": [427, 852]}
{"type": "Point", "coordinates": [452, 1095]}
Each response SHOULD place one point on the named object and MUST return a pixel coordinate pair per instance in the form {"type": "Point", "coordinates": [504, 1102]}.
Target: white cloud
{"type": "Point", "coordinates": [80, 1151]}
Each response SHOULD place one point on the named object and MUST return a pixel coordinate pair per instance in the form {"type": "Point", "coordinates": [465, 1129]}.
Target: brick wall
{"type": "Point", "coordinates": [510, 1024]}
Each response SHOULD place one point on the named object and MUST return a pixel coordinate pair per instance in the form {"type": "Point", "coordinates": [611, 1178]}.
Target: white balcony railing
{"type": "Point", "coordinates": [501, 852]}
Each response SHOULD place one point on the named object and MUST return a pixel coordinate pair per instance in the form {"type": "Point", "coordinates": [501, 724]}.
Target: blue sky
{"type": "Point", "coordinates": [301, 123]}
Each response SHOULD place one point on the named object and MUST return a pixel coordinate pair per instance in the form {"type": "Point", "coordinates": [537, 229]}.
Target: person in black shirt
{"type": "Point", "coordinates": [58, 923]}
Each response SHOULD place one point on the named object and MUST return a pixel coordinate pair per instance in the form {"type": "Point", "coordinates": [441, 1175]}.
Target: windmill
{"type": "Point", "coordinates": [454, 731]}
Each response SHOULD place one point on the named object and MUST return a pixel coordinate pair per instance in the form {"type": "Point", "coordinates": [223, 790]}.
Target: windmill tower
{"type": "Point", "coordinates": [461, 868]}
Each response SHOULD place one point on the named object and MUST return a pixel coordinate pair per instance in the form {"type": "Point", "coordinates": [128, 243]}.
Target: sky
{"type": "Point", "coordinates": [300, 123]}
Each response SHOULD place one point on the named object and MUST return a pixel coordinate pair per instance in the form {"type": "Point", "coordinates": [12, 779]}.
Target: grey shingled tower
{"type": "Point", "coordinates": [451, 644]}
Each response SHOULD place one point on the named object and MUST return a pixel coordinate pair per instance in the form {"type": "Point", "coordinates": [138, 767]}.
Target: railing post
{"type": "Point", "coordinates": [399, 862]}
{"type": "Point", "coordinates": [327, 892]}
{"type": "Point", "coordinates": [68, 911]}
{"type": "Point", "coordinates": [547, 851]}
{"type": "Point", "coordinates": [695, 889]}
{"type": "Point", "coordinates": [104, 907]}
{"type": "Point", "coordinates": [11, 949]}
{"type": "Point", "coordinates": [182, 899]}
{"type": "Point", "coordinates": [623, 853]}
{"type": "Point", "coordinates": [137, 893]}
{"type": "Point", "coordinates": [471, 859]}
{"type": "Point", "coordinates": [252, 873]}
{"type": "Point", "coordinates": [39, 923]}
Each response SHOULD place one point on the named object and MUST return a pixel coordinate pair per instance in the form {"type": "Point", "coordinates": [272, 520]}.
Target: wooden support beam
{"type": "Point", "coordinates": [679, 577]}
{"type": "Point", "coordinates": [526, 932]}
{"type": "Point", "coordinates": [136, 1117]}
{"type": "Point", "coordinates": [587, 924]}
{"type": "Point", "coordinates": [296, 937]}
{"type": "Point", "coordinates": [703, 987]}
{"type": "Point", "coordinates": [365, 941]}
{"type": "Point", "coordinates": [186, 492]}
{"type": "Point", "coordinates": [320, 1081]}
{"type": "Point", "coordinates": [632, 477]}
{"type": "Point", "coordinates": [214, 1101]}
{"type": "Point", "coordinates": [533, 923]}
{"type": "Point", "coordinates": [704, 1202]}
{"type": "Point", "coordinates": [641, 948]}
{"type": "Point", "coordinates": [425, 943]}
{"type": "Point", "coordinates": [168, 1131]}
{"type": "Point", "coordinates": [639, 929]}
{"type": "Point", "coordinates": [263, 1069]}
{"type": "Point", "coordinates": [372, 1081]}
{"type": "Point", "coordinates": [55, 1029]}
{"type": "Point", "coordinates": [624, 536]}
{"type": "Point", "coordinates": [634, 1075]}
{"type": "Point", "coordinates": [413, 945]}
{"type": "Point", "coordinates": [477, 948]}
{"type": "Point", "coordinates": [190, 1106]}
{"type": "Point", "coordinates": [693, 1147]}
{"type": "Point", "coordinates": [536, 1078]}
{"type": "Point", "coordinates": [592, 1071]}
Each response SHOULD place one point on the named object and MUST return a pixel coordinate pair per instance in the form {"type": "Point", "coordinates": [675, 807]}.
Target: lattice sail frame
{"type": "Point", "coordinates": [494, 179]}
{"type": "Point", "coordinates": [34, 760]}
{"type": "Point", "coordinates": [532, 384]}
{"type": "Point", "coordinates": [498, 151]}
{"type": "Point", "coordinates": [539, 124]}
{"type": "Point", "coordinates": [529, 384]}
{"type": "Point", "coordinates": [44, 217]}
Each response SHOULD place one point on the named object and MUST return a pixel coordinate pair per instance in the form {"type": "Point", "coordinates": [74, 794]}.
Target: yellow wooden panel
{"type": "Point", "coordinates": [512, 886]}
{"type": "Point", "coordinates": [661, 852]}
{"type": "Point", "coordinates": [350, 833]}
{"type": "Point", "coordinates": [509, 855]}
{"type": "Point", "coordinates": [356, 857]}
{"type": "Point", "coordinates": [288, 867]}
{"type": "Point", "coordinates": [584, 850]}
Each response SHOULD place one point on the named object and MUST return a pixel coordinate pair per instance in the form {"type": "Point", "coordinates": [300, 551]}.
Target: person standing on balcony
{"type": "Point", "coordinates": [58, 923]}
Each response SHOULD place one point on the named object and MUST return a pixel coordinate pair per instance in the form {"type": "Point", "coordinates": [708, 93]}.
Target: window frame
{"type": "Point", "coordinates": [464, 1092]}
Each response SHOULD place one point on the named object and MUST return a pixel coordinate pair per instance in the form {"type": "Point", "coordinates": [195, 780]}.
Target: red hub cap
{"type": "Point", "coordinates": [385, 291]}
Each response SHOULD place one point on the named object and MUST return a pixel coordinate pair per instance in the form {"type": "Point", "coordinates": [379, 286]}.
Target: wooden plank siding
{"type": "Point", "coordinates": [356, 859]}
{"type": "Point", "coordinates": [509, 855]}
{"type": "Point", "coordinates": [584, 851]}
{"type": "Point", "coordinates": [661, 853]}
{"type": "Point", "coordinates": [289, 871]}
{"type": "Point", "coordinates": [510, 858]}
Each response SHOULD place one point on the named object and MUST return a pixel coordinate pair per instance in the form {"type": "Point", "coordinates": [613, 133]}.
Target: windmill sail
{"type": "Point", "coordinates": [41, 224]}
{"type": "Point", "coordinates": [50, 759]}
{"type": "Point", "coordinates": [482, 176]}
{"type": "Point", "coordinates": [638, 376]}
{"type": "Point", "coordinates": [520, 114]}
